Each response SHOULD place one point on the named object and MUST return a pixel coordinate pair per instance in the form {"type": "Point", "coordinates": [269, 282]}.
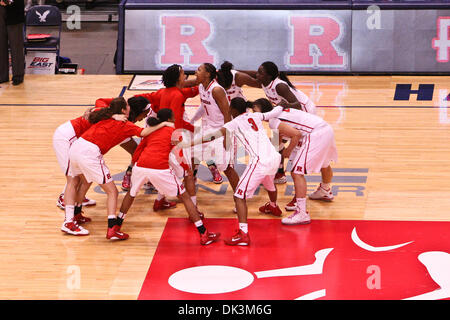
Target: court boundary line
{"type": "Point", "coordinates": [194, 106]}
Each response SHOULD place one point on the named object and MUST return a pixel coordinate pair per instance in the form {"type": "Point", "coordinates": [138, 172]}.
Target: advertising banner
{"type": "Point", "coordinates": [296, 40]}
{"type": "Point", "coordinates": [400, 41]}
{"type": "Point", "coordinates": [38, 62]}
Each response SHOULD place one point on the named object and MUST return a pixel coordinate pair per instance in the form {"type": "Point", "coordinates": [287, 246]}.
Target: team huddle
{"type": "Point", "coordinates": [171, 147]}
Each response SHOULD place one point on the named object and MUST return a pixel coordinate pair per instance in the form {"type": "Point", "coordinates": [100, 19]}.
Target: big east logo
{"type": "Point", "coordinates": [327, 259]}
{"type": "Point", "coordinates": [39, 62]}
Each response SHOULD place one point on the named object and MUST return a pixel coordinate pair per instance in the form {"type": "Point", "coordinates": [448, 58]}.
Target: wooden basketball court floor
{"type": "Point", "coordinates": [393, 164]}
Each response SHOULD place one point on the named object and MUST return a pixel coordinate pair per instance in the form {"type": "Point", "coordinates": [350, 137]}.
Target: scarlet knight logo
{"type": "Point", "coordinates": [315, 42]}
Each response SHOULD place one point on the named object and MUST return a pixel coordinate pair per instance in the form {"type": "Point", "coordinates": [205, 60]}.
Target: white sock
{"type": "Point", "coordinates": [198, 223]}
{"type": "Point", "coordinates": [121, 215]}
{"type": "Point", "coordinates": [301, 204]}
{"type": "Point", "coordinates": [69, 213]}
{"type": "Point", "coordinates": [243, 227]}
{"type": "Point", "coordinates": [273, 204]}
{"type": "Point", "coordinates": [194, 199]}
{"type": "Point", "coordinates": [113, 216]}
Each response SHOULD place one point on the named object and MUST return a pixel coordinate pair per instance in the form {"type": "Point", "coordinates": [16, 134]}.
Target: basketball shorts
{"type": "Point", "coordinates": [85, 158]}
{"type": "Point", "coordinates": [165, 181]}
{"type": "Point", "coordinates": [317, 151]}
{"type": "Point", "coordinates": [256, 174]}
{"type": "Point", "coordinates": [63, 138]}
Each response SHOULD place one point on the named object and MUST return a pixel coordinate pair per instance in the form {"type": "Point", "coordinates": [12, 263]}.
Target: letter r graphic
{"type": "Point", "coordinates": [183, 40]}
{"type": "Point", "coordinates": [313, 39]}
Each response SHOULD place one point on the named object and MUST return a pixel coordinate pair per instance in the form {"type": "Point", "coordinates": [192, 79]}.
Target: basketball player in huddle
{"type": "Point", "coordinates": [232, 81]}
{"type": "Point", "coordinates": [70, 131]}
{"type": "Point", "coordinates": [314, 154]}
{"type": "Point", "coordinates": [215, 103]}
{"type": "Point", "coordinates": [263, 162]}
{"type": "Point", "coordinates": [151, 163]}
{"type": "Point", "coordinates": [86, 162]}
{"type": "Point", "coordinates": [280, 91]}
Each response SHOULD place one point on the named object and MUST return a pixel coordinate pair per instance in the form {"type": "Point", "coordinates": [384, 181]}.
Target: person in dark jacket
{"type": "Point", "coordinates": [12, 18]}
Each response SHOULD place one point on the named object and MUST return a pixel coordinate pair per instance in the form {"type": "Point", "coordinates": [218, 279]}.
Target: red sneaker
{"type": "Point", "coordinates": [291, 205]}
{"type": "Point", "coordinates": [217, 178]}
{"type": "Point", "coordinates": [74, 229]}
{"type": "Point", "coordinates": [115, 234]}
{"type": "Point", "coordinates": [86, 202]}
{"type": "Point", "coordinates": [239, 239]}
{"type": "Point", "coordinates": [60, 202]}
{"type": "Point", "coordinates": [163, 204]}
{"type": "Point", "coordinates": [209, 237]}
{"type": "Point", "coordinates": [267, 208]}
{"type": "Point", "coordinates": [89, 202]}
{"type": "Point", "coordinates": [126, 182]}
{"type": "Point", "coordinates": [80, 219]}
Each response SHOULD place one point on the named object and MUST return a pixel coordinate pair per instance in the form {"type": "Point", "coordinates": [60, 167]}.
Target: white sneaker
{"type": "Point", "coordinates": [280, 178]}
{"type": "Point", "coordinates": [148, 186]}
{"type": "Point", "coordinates": [321, 194]}
{"type": "Point", "coordinates": [73, 228]}
{"type": "Point", "coordinates": [298, 217]}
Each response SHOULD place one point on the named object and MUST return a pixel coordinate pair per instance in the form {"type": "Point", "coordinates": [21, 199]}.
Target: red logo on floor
{"type": "Point", "coordinates": [327, 259]}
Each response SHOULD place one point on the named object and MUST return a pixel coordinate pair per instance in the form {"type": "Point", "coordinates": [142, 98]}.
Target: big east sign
{"type": "Point", "coordinates": [313, 42]}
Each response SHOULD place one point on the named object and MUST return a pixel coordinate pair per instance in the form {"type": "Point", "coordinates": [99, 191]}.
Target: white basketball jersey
{"type": "Point", "coordinates": [300, 120]}
{"type": "Point", "coordinates": [275, 98]}
{"type": "Point", "coordinates": [212, 117]}
{"type": "Point", "coordinates": [248, 128]}
{"type": "Point", "coordinates": [234, 91]}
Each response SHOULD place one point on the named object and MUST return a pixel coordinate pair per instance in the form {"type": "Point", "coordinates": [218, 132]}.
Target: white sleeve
{"type": "Point", "coordinates": [274, 123]}
{"type": "Point", "coordinates": [231, 125]}
{"type": "Point", "coordinates": [273, 114]}
{"type": "Point", "coordinates": [198, 114]}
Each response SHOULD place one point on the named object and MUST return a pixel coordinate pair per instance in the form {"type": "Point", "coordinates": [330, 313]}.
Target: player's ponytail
{"type": "Point", "coordinates": [116, 106]}
{"type": "Point", "coordinates": [224, 75]}
{"type": "Point", "coordinates": [211, 70]}
{"type": "Point", "coordinates": [284, 77]}
{"type": "Point", "coordinates": [264, 104]}
{"type": "Point", "coordinates": [164, 114]}
{"type": "Point", "coordinates": [240, 105]}
{"type": "Point", "coordinates": [272, 70]}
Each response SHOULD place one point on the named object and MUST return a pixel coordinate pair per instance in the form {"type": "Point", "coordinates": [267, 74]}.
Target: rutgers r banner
{"type": "Point", "coordinates": [294, 40]}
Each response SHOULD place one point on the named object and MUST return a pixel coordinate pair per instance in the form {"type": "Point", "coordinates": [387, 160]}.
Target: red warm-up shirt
{"type": "Point", "coordinates": [109, 133]}
{"type": "Point", "coordinates": [81, 125]}
{"type": "Point", "coordinates": [153, 151]}
{"type": "Point", "coordinates": [174, 99]}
